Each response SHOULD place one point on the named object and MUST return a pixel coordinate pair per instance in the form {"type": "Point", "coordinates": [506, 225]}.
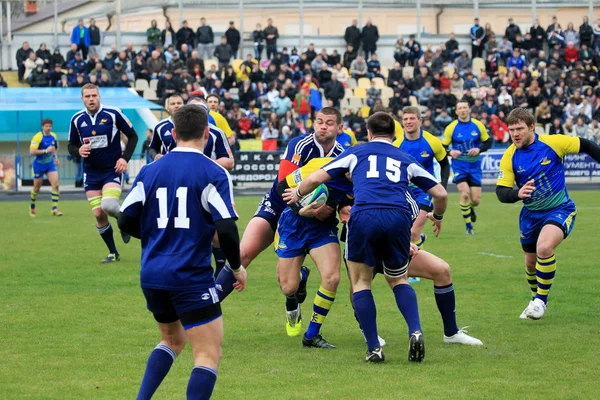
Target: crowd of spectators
{"type": "Point", "coordinates": [273, 92]}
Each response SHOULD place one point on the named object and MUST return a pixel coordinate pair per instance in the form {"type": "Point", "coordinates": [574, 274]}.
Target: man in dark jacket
{"type": "Point", "coordinates": [452, 47]}
{"type": "Point", "coordinates": [271, 35]}
{"type": "Point", "coordinates": [38, 78]}
{"type": "Point", "coordinates": [538, 34]}
{"type": "Point", "coordinates": [512, 31]}
{"type": "Point", "coordinates": [185, 35]}
{"type": "Point", "coordinates": [233, 38]}
{"type": "Point", "coordinates": [349, 56]}
{"type": "Point", "coordinates": [223, 53]}
{"type": "Point", "coordinates": [55, 75]}
{"type": "Point", "coordinates": [206, 38]}
{"type": "Point", "coordinates": [436, 103]}
{"type": "Point", "coordinates": [167, 85]}
{"type": "Point", "coordinates": [477, 35]}
{"type": "Point", "coordinates": [352, 35]}
{"type": "Point", "coordinates": [334, 91]}
{"type": "Point", "coordinates": [95, 39]}
{"type": "Point", "coordinates": [586, 33]}
{"type": "Point", "coordinates": [369, 36]}
{"type": "Point", "coordinates": [22, 55]}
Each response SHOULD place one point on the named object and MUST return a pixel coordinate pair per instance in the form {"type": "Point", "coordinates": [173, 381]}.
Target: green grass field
{"type": "Point", "coordinates": [72, 328]}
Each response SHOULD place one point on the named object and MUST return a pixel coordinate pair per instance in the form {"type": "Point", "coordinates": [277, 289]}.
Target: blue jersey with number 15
{"type": "Point", "coordinates": [178, 198]}
{"type": "Point", "coordinates": [381, 174]}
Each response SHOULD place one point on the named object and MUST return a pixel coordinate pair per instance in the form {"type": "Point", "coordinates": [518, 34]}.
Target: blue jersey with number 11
{"type": "Point", "coordinates": [178, 198]}
{"type": "Point", "coordinates": [381, 174]}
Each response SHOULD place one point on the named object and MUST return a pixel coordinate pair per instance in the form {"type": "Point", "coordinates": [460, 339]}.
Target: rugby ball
{"type": "Point", "coordinates": [319, 195]}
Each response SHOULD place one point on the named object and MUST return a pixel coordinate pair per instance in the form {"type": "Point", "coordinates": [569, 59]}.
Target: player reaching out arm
{"type": "Point", "coordinates": [175, 206]}
{"type": "Point", "coordinates": [379, 224]}
{"type": "Point", "coordinates": [535, 163]}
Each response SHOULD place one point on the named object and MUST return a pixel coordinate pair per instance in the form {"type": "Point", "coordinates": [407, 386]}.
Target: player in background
{"type": "Point", "coordinates": [346, 138]}
{"type": "Point", "coordinates": [174, 207]}
{"type": "Point", "coordinates": [299, 234]}
{"type": "Point", "coordinates": [425, 148]}
{"type": "Point", "coordinates": [260, 231]}
{"type": "Point", "coordinates": [467, 138]}
{"type": "Point", "coordinates": [379, 224]}
{"type": "Point", "coordinates": [94, 135]}
{"type": "Point", "coordinates": [535, 163]}
{"type": "Point", "coordinates": [213, 100]}
{"type": "Point", "coordinates": [44, 146]}
{"type": "Point", "coordinates": [399, 130]}
{"type": "Point", "coordinates": [162, 139]}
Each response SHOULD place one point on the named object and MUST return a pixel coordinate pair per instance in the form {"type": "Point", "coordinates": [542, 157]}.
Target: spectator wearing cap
{"type": "Point", "coordinates": [176, 65]}
{"type": "Point", "coordinates": [223, 53]}
{"type": "Point", "coordinates": [167, 85]}
{"type": "Point", "coordinates": [109, 61]}
{"type": "Point", "coordinates": [369, 37]}
{"type": "Point", "coordinates": [512, 31]}
{"type": "Point", "coordinates": [271, 34]}
{"type": "Point", "coordinates": [233, 38]}
{"type": "Point", "coordinates": [77, 64]}
{"type": "Point", "coordinates": [115, 74]}
{"type": "Point", "coordinates": [80, 36]}
{"type": "Point", "coordinates": [477, 35]}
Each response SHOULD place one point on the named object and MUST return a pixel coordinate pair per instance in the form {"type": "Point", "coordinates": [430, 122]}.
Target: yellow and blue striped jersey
{"type": "Point", "coordinates": [42, 142]}
{"type": "Point", "coordinates": [425, 149]}
{"type": "Point", "coordinates": [340, 189]}
{"type": "Point", "coordinates": [346, 139]}
{"type": "Point", "coordinates": [221, 123]}
{"type": "Point", "coordinates": [399, 130]}
{"type": "Point", "coordinates": [464, 136]}
{"type": "Point", "coordinates": [542, 161]}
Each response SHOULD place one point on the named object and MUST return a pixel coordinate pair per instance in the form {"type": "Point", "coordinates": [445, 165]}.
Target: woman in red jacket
{"type": "Point", "coordinates": [302, 107]}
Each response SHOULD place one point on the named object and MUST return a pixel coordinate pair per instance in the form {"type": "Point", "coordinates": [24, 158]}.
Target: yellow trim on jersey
{"type": "Point", "coordinates": [484, 133]}
{"type": "Point", "coordinates": [507, 175]}
{"type": "Point", "coordinates": [561, 144]}
{"type": "Point", "coordinates": [436, 145]}
{"type": "Point", "coordinates": [448, 132]}
{"type": "Point", "coordinates": [36, 141]}
{"type": "Point", "coordinates": [399, 130]}
{"type": "Point", "coordinates": [353, 141]}
{"type": "Point", "coordinates": [300, 174]}
{"type": "Point", "coordinates": [221, 123]}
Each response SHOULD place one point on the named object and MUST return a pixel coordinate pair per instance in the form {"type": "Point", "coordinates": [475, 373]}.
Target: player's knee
{"type": "Point", "coordinates": [330, 280]}
{"type": "Point", "coordinates": [99, 214]}
{"type": "Point", "coordinates": [475, 200]}
{"type": "Point", "coordinates": [289, 286]}
{"type": "Point", "coordinates": [443, 274]}
{"type": "Point", "coordinates": [544, 249]}
{"type": "Point", "coordinates": [176, 343]}
{"type": "Point", "coordinates": [464, 197]}
{"type": "Point", "coordinates": [111, 206]}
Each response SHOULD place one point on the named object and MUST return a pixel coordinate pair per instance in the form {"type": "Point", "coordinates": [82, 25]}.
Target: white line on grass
{"type": "Point", "coordinates": [494, 255]}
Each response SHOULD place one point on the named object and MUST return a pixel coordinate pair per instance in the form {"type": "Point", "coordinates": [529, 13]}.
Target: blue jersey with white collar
{"type": "Point", "coordinates": [162, 138]}
{"type": "Point", "coordinates": [381, 173]}
{"type": "Point", "coordinates": [102, 132]}
{"type": "Point", "coordinates": [178, 198]}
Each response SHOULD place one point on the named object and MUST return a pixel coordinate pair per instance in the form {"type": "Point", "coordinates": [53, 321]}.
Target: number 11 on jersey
{"type": "Point", "coordinates": [181, 220]}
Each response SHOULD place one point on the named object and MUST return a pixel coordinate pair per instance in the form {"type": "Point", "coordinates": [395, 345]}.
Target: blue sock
{"type": "Point", "coordinates": [107, 235]}
{"type": "Point", "coordinates": [364, 306]}
{"type": "Point", "coordinates": [446, 304]}
{"type": "Point", "coordinates": [225, 282]}
{"type": "Point", "coordinates": [159, 364]}
{"type": "Point", "coordinates": [201, 384]}
{"type": "Point", "coordinates": [406, 299]}
{"type": "Point", "coordinates": [303, 275]}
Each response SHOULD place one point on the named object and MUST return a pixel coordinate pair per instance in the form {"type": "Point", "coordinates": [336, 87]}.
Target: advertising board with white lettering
{"type": "Point", "coordinates": [256, 166]}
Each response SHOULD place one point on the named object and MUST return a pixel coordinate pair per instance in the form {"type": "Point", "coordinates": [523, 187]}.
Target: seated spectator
{"type": "Point", "coordinates": [341, 73]}
{"type": "Point", "coordinates": [425, 93]}
{"type": "Point", "coordinates": [442, 120]}
{"type": "Point", "coordinates": [123, 82]}
{"type": "Point", "coordinates": [269, 137]}
{"type": "Point", "coordinates": [229, 78]}
{"type": "Point", "coordinates": [543, 113]}
{"type": "Point", "coordinates": [373, 67]}
{"type": "Point", "coordinates": [470, 82]}
{"type": "Point", "coordinates": [334, 91]}
{"type": "Point", "coordinates": [38, 78]}
{"type": "Point", "coordinates": [436, 102]}
{"type": "Point", "coordinates": [463, 63]}
{"type": "Point", "coordinates": [287, 124]}
{"type": "Point", "coordinates": [456, 85]}
{"type": "Point", "coordinates": [581, 128]}
{"type": "Point", "coordinates": [57, 58]}
{"type": "Point", "coordinates": [246, 94]}
{"type": "Point", "coordinates": [571, 54]}
{"type": "Point", "coordinates": [79, 81]}
{"type": "Point", "coordinates": [98, 71]}
{"type": "Point", "coordinates": [109, 61]}
{"type": "Point", "coordinates": [55, 75]}
{"type": "Point", "coordinates": [504, 96]}
{"type": "Point", "coordinates": [505, 108]}
{"type": "Point", "coordinates": [256, 75]}
{"type": "Point", "coordinates": [244, 128]}
{"type": "Point", "coordinates": [505, 49]}
{"type": "Point", "coordinates": [359, 68]}
{"type": "Point", "coordinates": [519, 98]}
{"type": "Point", "coordinates": [44, 54]}
{"type": "Point", "coordinates": [105, 81]}
{"type": "Point", "coordinates": [156, 65]}
{"type": "Point", "coordinates": [218, 88]}
{"type": "Point", "coordinates": [334, 58]}
{"type": "Point", "coordinates": [282, 104]}
{"type": "Point", "coordinates": [324, 75]}
{"type": "Point", "coordinates": [349, 56]}
{"type": "Point", "coordinates": [167, 85]}
{"type": "Point", "coordinates": [490, 107]}
{"type": "Point", "coordinates": [556, 128]}
{"type": "Point", "coordinates": [373, 93]}
{"type": "Point", "coordinates": [594, 131]}
{"type": "Point", "coordinates": [516, 61]}
{"type": "Point", "coordinates": [557, 110]}
{"type": "Point", "coordinates": [317, 63]}
{"type": "Point", "coordinates": [499, 130]}
{"type": "Point", "coordinates": [394, 75]}
{"type": "Point", "coordinates": [569, 128]}
{"type": "Point", "coordinates": [115, 74]}
{"type": "Point", "coordinates": [176, 64]}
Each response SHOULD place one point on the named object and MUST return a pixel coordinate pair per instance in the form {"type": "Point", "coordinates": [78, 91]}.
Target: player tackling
{"type": "Point", "coordinates": [94, 135]}
{"type": "Point", "coordinates": [536, 164]}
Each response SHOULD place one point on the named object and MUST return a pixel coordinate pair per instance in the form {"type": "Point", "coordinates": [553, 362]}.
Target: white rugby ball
{"type": "Point", "coordinates": [319, 195]}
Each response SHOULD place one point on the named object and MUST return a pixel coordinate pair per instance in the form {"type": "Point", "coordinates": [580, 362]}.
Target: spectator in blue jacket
{"type": "Point", "coordinates": [516, 61]}
{"type": "Point", "coordinates": [81, 37]}
{"type": "Point", "coordinates": [78, 64]}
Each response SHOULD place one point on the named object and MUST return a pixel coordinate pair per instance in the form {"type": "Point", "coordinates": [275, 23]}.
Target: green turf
{"type": "Point", "coordinates": [71, 328]}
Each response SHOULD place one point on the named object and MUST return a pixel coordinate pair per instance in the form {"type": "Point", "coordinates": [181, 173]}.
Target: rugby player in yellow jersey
{"type": "Point", "coordinates": [213, 100]}
{"type": "Point", "coordinates": [346, 138]}
{"type": "Point", "coordinates": [397, 126]}
{"type": "Point", "coordinates": [467, 138]}
{"type": "Point", "coordinates": [535, 163]}
{"type": "Point", "coordinates": [44, 146]}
